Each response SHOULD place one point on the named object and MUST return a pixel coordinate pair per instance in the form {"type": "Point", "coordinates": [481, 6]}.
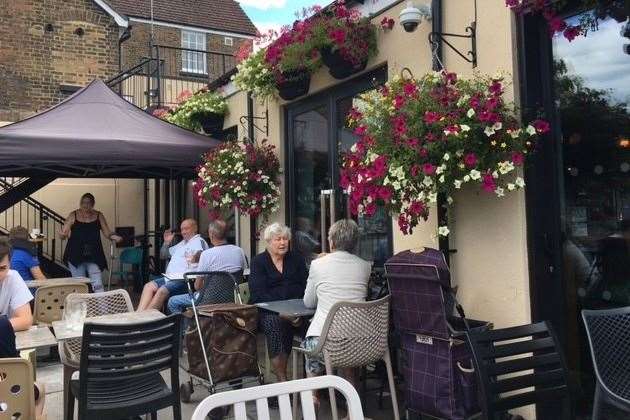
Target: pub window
{"type": "Point", "coordinates": [193, 59]}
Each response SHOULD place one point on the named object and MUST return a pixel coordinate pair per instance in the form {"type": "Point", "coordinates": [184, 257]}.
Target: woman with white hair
{"type": "Point", "coordinates": [277, 274]}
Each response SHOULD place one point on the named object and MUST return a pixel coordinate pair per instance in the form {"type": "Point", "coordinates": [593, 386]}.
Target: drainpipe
{"type": "Point", "coordinates": [124, 35]}
{"type": "Point", "coordinates": [253, 249]}
{"type": "Point", "coordinates": [436, 26]}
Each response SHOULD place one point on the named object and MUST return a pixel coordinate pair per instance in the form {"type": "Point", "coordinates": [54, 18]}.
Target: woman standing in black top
{"type": "Point", "coordinates": [277, 274]}
{"type": "Point", "coordinates": [84, 251]}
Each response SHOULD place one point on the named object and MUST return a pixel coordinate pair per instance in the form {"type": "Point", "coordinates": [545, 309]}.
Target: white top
{"type": "Point", "coordinates": [178, 263]}
{"type": "Point", "coordinates": [336, 277]}
{"type": "Point", "coordinates": [227, 258]}
{"type": "Point", "coordinates": [13, 293]}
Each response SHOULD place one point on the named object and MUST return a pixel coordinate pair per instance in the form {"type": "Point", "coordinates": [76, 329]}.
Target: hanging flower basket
{"type": "Point", "coordinates": [293, 84]}
{"type": "Point", "coordinates": [422, 138]}
{"type": "Point", "coordinates": [240, 175]}
{"type": "Point", "coordinates": [212, 123]}
{"type": "Point", "coordinates": [338, 66]}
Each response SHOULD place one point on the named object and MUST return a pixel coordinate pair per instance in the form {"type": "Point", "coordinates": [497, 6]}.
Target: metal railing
{"type": "Point", "coordinates": [159, 80]}
{"type": "Point", "coordinates": [30, 214]}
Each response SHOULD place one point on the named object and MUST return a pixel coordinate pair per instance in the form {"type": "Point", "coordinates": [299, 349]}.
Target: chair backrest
{"type": "Point", "coordinates": [609, 339]}
{"type": "Point", "coordinates": [244, 293]}
{"type": "Point", "coordinates": [50, 300]}
{"type": "Point", "coordinates": [261, 394]}
{"type": "Point", "coordinates": [131, 256]}
{"type": "Point", "coordinates": [120, 352]}
{"type": "Point", "coordinates": [511, 361]}
{"type": "Point", "coordinates": [104, 303]}
{"type": "Point", "coordinates": [355, 333]}
{"type": "Point", "coordinates": [17, 400]}
{"type": "Point", "coordinates": [219, 287]}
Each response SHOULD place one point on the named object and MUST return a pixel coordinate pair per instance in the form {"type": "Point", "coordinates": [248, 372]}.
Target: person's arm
{"type": "Point", "coordinates": [22, 318]}
{"type": "Point", "coordinates": [204, 264]}
{"type": "Point", "coordinates": [258, 284]}
{"type": "Point", "coordinates": [165, 249]}
{"type": "Point", "coordinates": [64, 233]}
{"type": "Point", "coordinates": [310, 294]}
{"type": "Point", "coordinates": [106, 231]}
{"type": "Point", "coordinates": [37, 273]}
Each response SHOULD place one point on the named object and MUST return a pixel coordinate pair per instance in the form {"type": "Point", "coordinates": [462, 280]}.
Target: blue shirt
{"type": "Point", "coordinates": [22, 261]}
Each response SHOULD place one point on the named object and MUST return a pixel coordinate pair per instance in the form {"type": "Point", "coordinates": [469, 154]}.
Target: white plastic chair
{"type": "Point", "coordinates": [260, 394]}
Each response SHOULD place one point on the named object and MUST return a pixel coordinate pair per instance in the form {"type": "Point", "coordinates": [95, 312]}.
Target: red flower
{"type": "Point", "coordinates": [410, 89]}
{"type": "Point", "coordinates": [387, 23]}
{"type": "Point", "coordinates": [470, 160]}
{"type": "Point", "coordinates": [360, 130]}
{"type": "Point", "coordinates": [496, 88]}
{"type": "Point", "coordinates": [423, 152]}
{"type": "Point", "coordinates": [385, 194]}
{"type": "Point", "coordinates": [400, 125]}
{"type": "Point", "coordinates": [417, 208]}
{"type": "Point", "coordinates": [541, 126]}
{"type": "Point", "coordinates": [450, 78]}
{"type": "Point", "coordinates": [431, 117]}
{"type": "Point", "coordinates": [488, 183]}
{"type": "Point", "coordinates": [518, 158]}
{"type": "Point", "coordinates": [415, 169]}
{"type": "Point", "coordinates": [572, 32]}
{"type": "Point", "coordinates": [556, 24]}
{"type": "Point", "coordinates": [338, 36]}
{"type": "Point", "coordinates": [430, 137]}
{"type": "Point", "coordinates": [512, 3]}
{"type": "Point", "coordinates": [399, 101]}
{"type": "Point", "coordinates": [428, 169]}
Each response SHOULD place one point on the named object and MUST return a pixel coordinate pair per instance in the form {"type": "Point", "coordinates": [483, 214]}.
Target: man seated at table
{"type": "Point", "coordinates": [15, 312]}
{"type": "Point", "coordinates": [222, 257]}
{"type": "Point", "coordinates": [156, 293]}
{"type": "Point", "coordinates": [24, 255]}
{"type": "Point", "coordinates": [335, 277]}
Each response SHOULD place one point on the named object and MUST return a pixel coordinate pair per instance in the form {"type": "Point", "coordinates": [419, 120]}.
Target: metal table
{"type": "Point", "coordinates": [35, 284]}
{"type": "Point", "coordinates": [287, 308]}
{"type": "Point", "coordinates": [34, 338]}
{"type": "Point", "coordinates": [64, 331]}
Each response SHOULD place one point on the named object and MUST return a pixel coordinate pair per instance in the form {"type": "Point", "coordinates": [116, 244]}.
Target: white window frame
{"type": "Point", "coordinates": [228, 41]}
{"type": "Point", "coordinates": [194, 62]}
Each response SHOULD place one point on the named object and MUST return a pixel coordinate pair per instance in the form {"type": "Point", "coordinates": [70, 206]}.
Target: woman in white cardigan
{"type": "Point", "coordinates": [335, 277]}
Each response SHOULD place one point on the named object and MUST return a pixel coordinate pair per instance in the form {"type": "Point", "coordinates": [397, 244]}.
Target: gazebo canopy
{"type": "Point", "coordinates": [96, 133]}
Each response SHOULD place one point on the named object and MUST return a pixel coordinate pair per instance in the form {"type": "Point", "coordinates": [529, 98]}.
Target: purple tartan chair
{"type": "Point", "coordinates": [439, 373]}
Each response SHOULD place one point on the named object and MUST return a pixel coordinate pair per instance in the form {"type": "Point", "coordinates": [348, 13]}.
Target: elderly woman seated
{"type": "Point", "coordinates": [277, 274]}
{"type": "Point", "coordinates": [335, 277]}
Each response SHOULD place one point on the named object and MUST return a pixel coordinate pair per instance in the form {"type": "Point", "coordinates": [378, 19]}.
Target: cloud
{"type": "Point", "coordinates": [264, 4]}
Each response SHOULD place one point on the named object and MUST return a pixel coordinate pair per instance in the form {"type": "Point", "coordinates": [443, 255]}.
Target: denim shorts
{"type": "Point", "coordinates": [314, 364]}
{"type": "Point", "coordinates": [174, 287]}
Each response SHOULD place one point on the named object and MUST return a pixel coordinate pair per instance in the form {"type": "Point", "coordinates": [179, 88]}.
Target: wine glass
{"type": "Point", "coordinates": [188, 254]}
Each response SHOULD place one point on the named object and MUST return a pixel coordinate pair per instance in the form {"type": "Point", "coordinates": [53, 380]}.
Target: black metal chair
{"type": "Point", "coordinates": [519, 366]}
{"type": "Point", "coordinates": [609, 339]}
{"type": "Point", "coordinates": [120, 370]}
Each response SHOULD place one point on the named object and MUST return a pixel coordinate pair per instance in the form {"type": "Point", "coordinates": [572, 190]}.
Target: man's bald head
{"type": "Point", "coordinates": [188, 228]}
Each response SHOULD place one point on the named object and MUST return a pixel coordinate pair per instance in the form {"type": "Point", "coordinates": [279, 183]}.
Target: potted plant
{"type": "Point", "coordinates": [422, 138]}
{"type": "Point", "coordinates": [346, 40]}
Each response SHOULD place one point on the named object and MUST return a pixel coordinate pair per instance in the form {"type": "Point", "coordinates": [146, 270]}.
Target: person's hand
{"type": "Point", "coordinates": [196, 257]}
{"type": "Point", "coordinates": [295, 321]}
{"type": "Point", "coordinates": [322, 254]}
{"type": "Point", "coordinates": [168, 236]}
{"type": "Point", "coordinates": [116, 238]}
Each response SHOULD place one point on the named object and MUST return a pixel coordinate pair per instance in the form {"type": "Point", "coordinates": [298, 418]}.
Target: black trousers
{"type": "Point", "coordinates": [7, 338]}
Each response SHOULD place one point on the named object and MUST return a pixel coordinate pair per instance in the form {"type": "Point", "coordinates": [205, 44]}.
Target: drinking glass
{"type": "Point", "coordinates": [76, 315]}
{"type": "Point", "coordinates": [188, 254]}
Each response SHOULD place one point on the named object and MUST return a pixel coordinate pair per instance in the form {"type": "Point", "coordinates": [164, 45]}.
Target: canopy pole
{"type": "Point", "coordinates": [156, 222]}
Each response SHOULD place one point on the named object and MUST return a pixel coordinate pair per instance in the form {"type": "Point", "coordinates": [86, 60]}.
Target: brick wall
{"type": "Point", "coordinates": [34, 61]}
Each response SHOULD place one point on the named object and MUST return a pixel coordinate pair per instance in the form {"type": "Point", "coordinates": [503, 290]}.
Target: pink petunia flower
{"type": "Point", "coordinates": [428, 169]}
{"type": "Point", "coordinates": [488, 183]}
{"type": "Point", "coordinates": [572, 32]}
{"type": "Point", "coordinates": [431, 117]}
{"type": "Point", "coordinates": [541, 126]}
{"type": "Point", "coordinates": [470, 160]}
{"type": "Point", "coordinates": [518, 158]}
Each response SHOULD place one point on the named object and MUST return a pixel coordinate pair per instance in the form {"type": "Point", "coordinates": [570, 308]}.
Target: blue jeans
{"type": "Point", "coordinates": [174, 287]}
{"type": "Point", "coordinates": [178, 304]}
{"type": "Point", "coordinates": [90, 270]}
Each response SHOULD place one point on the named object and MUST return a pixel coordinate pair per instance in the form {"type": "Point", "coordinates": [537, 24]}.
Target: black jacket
{"type": "Point", "coordinates": [267, 284]}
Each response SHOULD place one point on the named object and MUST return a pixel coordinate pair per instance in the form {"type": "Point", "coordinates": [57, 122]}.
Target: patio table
{"type": "Point", "coordinates": [34, 338]}
{"type": "Point", "coordinates": [64, 331]}
{"type": "Point", "coordinates": [287, 308]}
{"type": "Point", "coordinates": [35, 284]}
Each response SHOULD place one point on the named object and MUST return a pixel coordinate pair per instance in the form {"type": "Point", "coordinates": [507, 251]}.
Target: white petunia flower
{"type": "Point", "coordinates": [443, 231]}
{"type": "Point", "coordinates": [449, 200]}
{"type": "Point", "coordinates": [475, 174]}
{"type": "Point", "coordinates": [470, 113]}
{"type": "Point", "coordinates": [432, 197]}
{"type": "Point", "coordinates": [427, 181]}
{"type": "Point", "coordinates": [466, 178]}
{"type": "Point", "coordinates": [489, 131]}
{"type": "Point", "coordinates": [520, 182]}
{"type": "Point", "coordinates": [464, 127]}
{"type": "Point", "coordinates": [515, 133]}
{"type": "Point", "coordinates": [497, 126]}
{"type": "Point", "coordinates": [511, 187]}
{"type": "Point", "coordinates": [457, 183]}
{"type": "Point", "coordinates": [531, 130]}
{"type": "Point", "coordinates": [446, 156]}
{"type": "Point", "coordinates": [441, 179]}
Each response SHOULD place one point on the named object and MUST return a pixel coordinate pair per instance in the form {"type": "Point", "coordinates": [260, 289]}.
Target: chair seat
{"type": "Point", "coordinates": [148, 393]}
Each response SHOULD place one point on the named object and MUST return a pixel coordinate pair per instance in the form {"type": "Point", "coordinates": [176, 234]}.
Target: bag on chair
{"type": "Point", "coordinates": [229, 337]}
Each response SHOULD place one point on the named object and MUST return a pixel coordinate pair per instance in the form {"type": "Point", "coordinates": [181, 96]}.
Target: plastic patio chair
{"type": "Point", "coordinates": [261, 394]}
{"type": "Point", "coordinates": [121, 365]}
{"type": "Point", "coordinates": [519, 366]}
{"type": "Point", "coordinates": [129, 256]}
{"type": "Point", "coordinates": [16, 389]}
{"type": "Point", "coordinates": [104, 303]}
{"type": "Point", "coordinates": [608, 334]}
{"type": "Point", "coordinates": [355, 334]}
{"type": "Point", "coordinates": [50, 301]}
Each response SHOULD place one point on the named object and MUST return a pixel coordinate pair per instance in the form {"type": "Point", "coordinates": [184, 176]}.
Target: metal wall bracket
{"type": "Point", "coordinates": [264, 128]}
{"type": "Point", "coordinates": [471, 33]}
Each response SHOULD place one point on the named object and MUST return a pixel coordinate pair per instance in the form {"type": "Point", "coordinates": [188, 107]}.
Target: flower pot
{"type": "Point", "coordinates": [211, 123]}
{"type": "Point", "coordinates": [338, 66]}
{"type": "Point", "coordinates": [295, 84]}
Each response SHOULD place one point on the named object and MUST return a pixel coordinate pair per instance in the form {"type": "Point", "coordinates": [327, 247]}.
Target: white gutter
{"type": "Point", "coordinates": [121, 21]}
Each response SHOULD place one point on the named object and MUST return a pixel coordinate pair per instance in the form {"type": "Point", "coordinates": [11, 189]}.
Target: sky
{"type": "Point", "coordinates": [273, 14]}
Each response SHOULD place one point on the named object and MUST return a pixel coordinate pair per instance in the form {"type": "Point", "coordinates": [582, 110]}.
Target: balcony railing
{"type": "Point", "coordinates": [160, 79]}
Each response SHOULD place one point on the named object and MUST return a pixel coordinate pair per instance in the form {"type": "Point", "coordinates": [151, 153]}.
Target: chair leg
{"type": "Point", "coordinates": [177, 410]}
{"type": "Point", "coordinates": [154, 415]}
{"type": "Point", "coordinates": [68, 404]}
{"type": "Point", "coordinates": [267, 363]}
{"type": "Point", "coordinates": [331, 391]}
{"type": "Point", "coordinates": [597, 403]}
{"type": "Point", "coordinates": [67, 376]}
{"type": "Point", "coordinates": [392, 384]}
{"type": "Point", "coordinates": [295, 358]}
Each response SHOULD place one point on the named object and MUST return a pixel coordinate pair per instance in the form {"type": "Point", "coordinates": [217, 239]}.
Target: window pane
{"type": "Point", "coordinates": [193, 61]}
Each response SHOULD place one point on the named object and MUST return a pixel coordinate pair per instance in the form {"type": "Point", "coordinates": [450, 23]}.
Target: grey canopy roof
{"type": "Point", "coordinates": [96, 133]}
